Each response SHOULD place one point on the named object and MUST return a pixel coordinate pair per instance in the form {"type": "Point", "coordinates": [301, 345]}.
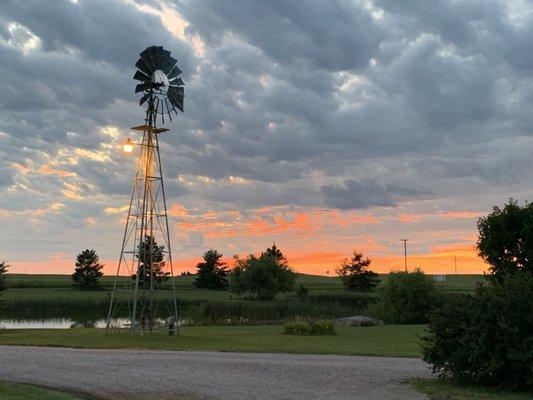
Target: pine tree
{"type": "Point", "coordinates": [157, 262]}
{"type": "Point", "coordinates": [212, 272]}
{"type": "Point", "coordinates": [3, 270]}
{"type": "Point", "coordinates": [276, 254]}
{"type": "Point", "coordinates": [87, 272]}
{"type": "Point", "coordinates": [356, 275]}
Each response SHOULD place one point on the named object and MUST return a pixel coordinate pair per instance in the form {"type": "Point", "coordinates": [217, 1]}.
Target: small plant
{"type": "Point", "coordinates": [318, 328]}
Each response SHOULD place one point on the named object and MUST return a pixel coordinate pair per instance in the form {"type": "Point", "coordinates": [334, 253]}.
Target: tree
{"type": "Point", "coordinates": [263, 277]}
{"type": "Point", "coordinates": [150, 253]}
{"type": "Point", "coordinates": [212, 272]}
{"type": "Point", "coordinates": [356, 275]}
{"type": "Point", "coordinates": [505, 239]}
{"type": "Point", "coordinates": [87, 272]}
{"type": "Point", "coordinates": [3, 270]}
{"type": "Point", "coordinates": [275, 253]}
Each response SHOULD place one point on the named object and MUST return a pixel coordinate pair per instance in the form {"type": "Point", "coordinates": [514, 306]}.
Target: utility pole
{"type": "Point", "coordinates": [405, 252]}
{"type": "Point", "coordinates": [455, 259]}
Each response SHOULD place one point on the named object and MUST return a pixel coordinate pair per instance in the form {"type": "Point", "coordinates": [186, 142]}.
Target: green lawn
{"type": "Point", "coordinates": [391, 340]}
{"type": "Point", "coordinates": [17, 391]}
{"type": "Point", "coordinates": [439, 389]}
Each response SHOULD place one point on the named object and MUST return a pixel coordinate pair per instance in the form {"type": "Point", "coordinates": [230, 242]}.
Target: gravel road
{"type": "Point", "coordinates": [182, 375]}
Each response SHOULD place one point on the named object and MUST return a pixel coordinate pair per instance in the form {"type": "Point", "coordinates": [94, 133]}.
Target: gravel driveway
{"type": "Point", "coordinates": [146, 374]}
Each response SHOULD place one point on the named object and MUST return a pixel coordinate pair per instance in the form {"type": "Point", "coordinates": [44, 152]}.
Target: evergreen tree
{"type": "Point", "coordinates": [275, 253]}
{"type": "Point", "coordinates": [212, 272]}
{"type": "Point", "coordinates": [156, 256]}
{"type": "Point", "coordinates": [87, 272]}
{"type": "Point", "coordinates": [3, 270]}
{"type": "Point", "coordinates": [356, 275]}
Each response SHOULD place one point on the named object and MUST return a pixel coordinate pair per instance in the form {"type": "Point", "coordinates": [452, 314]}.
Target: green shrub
{"type": "Point", "coordinates": [296, 328]}
{"type": "Point", "coordinates": [487, 338]}
{"type": "Point", "coordinates": [406, 298]}
{"type": "Point", "coordinates": [321, 328]}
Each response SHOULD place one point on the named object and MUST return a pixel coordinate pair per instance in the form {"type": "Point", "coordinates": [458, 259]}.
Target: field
{"type": "Point", "coordinates": [54, 296]}
{"type": "Point", "coordinates": [391, 340]}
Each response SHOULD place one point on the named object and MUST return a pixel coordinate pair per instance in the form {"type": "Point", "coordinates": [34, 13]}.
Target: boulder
{"type": "Point", "coordinates": [358, 320]}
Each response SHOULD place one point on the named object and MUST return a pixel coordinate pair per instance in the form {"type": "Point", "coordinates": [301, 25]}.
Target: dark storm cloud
{"type": "Point", "coordinates": [364, 194]}
{"type": "Point", "coordinates": [334, 35]}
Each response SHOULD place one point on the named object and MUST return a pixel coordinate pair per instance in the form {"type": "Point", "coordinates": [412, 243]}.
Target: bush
{"type": "Point", "coordinates": [487, 338]}
{"type": "Point", "coordinates": [406, 298]}
{"type": "Point", "coordinates": [319, 328]}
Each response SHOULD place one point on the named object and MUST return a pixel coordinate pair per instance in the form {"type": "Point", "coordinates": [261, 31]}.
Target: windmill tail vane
{"type": "Point", "coordinates": [144, 295]}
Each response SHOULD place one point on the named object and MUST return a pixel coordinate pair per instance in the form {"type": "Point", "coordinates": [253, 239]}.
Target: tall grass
{"type": "Point", "coordinates": [195, 312]}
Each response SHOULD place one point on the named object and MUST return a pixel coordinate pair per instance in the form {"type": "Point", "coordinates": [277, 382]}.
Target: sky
{"type": "Point", "coordinates": [323, 126]}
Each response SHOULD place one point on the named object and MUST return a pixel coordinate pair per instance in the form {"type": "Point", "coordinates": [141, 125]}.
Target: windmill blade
{"type": "Point", "coordinates": [144, 98]}
{"type": "Point", "coordinates": [168, 110]}
{"type": "Point", "coordinates": [148, 61]}
{"type": "Point", "coordinates": [174, 73]}
{"type": "Point", "coordinates": [175, 95]}
{"type": "Point", "coordinates": [141, 77]}
{"type": "Point", "coordinates": [171, 62]}
{"type": "Point", "coordinates": [143, 67]}
{"type": "Point", "coordinates": [143, 86]}
{"type": "Point", "coordinates": [153, 53]}
{"type": "Point", "coordinates": [176, 82]}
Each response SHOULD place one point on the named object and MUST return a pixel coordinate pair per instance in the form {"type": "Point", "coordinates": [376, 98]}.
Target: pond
{"type": "Point", "coordinates": [67, 323]}
{"type": "Point", "coordinates": [60, 323]}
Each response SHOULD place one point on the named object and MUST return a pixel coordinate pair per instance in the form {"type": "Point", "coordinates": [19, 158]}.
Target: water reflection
{"type": "Point", "coordinates": [60, 323]}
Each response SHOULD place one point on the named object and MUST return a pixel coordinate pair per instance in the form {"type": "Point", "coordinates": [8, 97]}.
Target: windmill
{"type": "Point", "coordinates": [144, 284]}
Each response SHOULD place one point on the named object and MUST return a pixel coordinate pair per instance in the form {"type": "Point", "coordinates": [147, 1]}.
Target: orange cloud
{"type": "Point", "coordinates": [410, 218]}
{"type": "Point", "coordinates": [46, 170]}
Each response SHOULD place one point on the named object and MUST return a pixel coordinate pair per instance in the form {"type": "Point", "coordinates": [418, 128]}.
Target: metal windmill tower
{"type": "Point", "coordinates": [144, 284]}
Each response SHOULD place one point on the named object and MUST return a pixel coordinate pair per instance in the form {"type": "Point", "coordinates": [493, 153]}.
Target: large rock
{"type": "Point", "coordinates": [358, 320]}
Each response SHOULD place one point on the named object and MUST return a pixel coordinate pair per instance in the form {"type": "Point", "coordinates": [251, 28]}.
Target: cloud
{"type": "Point", "coordinates": [364, 194]}
{"type": "Point", "coordinates": [333, 35]}
{"type": "Point", "coordinates": [338, 105]}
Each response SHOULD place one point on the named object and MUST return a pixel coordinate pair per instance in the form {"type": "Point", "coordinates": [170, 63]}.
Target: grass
{"type": "Point", "coordinates": [391, 340]}
{"type": "Point", "coordinates": [313, 283]}
{"type": "Point", "coordinates": [18, 391]}
{"type": "Point", "coordinates": [439, 389]}
{"type": "Point", "coordinates": [54, 296]}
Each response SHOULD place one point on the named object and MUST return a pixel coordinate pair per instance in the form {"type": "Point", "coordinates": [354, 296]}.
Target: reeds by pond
{"type": "Point", "coordinates": [196, 312]}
